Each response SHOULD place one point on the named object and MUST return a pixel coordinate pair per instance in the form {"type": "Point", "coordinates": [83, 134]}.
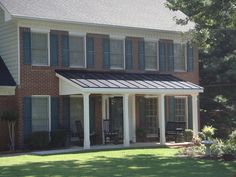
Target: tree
{"type": "Point", "coordinates": [216, 36]}
{"type": "Point", "coordinates": [10, 117]}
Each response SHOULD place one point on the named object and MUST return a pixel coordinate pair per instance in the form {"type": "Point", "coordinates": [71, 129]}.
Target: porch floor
{"type": "Point", "coordinates": [74, 149]}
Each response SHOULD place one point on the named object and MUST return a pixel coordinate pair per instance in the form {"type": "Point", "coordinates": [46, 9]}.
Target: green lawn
{"type": "Point", "coordinates": [134, 162]}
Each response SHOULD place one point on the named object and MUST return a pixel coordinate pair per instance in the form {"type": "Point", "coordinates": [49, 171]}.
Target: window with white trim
{"type": "Point", "coordinates": [77, 51]}
{"type": "Point", "coordinates": [179, 57]}
{"type": "Point", "coordinates": [116, 54]}
{"type": "Point", "coordinates": [180, 109]}
{"type": "Point", "coordinates": [40, 113]}
{"type": "Point", "coordinates": [150, 55]}
{"type": "Point", "coordinates": [39, 49]}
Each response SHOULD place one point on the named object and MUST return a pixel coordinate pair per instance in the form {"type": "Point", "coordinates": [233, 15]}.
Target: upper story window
{"type": "Point", "coordinates": [116, 54]}
{"type": "Point", "coordinates": [77, 51]}
{"type": "Point", "coordinates": [151, 56]}
{"type": "Point", "coordinates": [166, 55]}
{"type": "Point", "coordinates": [180, 57]}
{"type": "Point", "coordinates": [39, 49]}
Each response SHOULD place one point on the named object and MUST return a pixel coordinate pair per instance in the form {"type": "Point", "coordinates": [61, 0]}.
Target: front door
{"type": "Point", "coordinates": [116, 114]}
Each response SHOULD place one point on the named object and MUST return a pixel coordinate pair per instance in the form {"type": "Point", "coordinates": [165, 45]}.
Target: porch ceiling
{"type": "Point", "coordinates": [118, 82]}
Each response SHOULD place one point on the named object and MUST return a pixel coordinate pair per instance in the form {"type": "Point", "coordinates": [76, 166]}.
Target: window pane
{"type": "Point", "coordinates": [150, 55]}
{"type": "Point", "coordinates": [76, 51]}
{"type": "Point", "coordinates": [39, 48]}
{"type": "Point", "coordinates": [116, 54]}
{"type": "Point", "coordinates": [40, 114]}
{"type": "Point", "coordinates": [180, 109]}
{"type": "Point", "coordinates": [179, 57]}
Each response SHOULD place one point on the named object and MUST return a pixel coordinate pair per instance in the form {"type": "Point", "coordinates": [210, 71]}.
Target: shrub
{"type": "Point", "coordinates": [193, 151]}
{"type": "Point", "coordinates": [201, 136]}
{"type": "Point", "coordinates": [197, 141]}
{"type": "Point", "coordinates": [208, 131]}
{"type": "Point", "coordinates": [232, 137]}
{"type": "Point", "coordinates": [229, 148]}
{"type": "Point", "coordinates": [58, 137]}
{"type": "Point", "coordinates": [217, 148]}
{"type": "Point", "coordinates": [188, 135]}
{"type": "Point", "coordinates": [39, 140]}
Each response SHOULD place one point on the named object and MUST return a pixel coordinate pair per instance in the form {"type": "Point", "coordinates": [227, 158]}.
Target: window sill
{"type": "Point", "coordinates": [79, 67]}
{"type": "Point", "coordinates": [116, 68]}
{"type": "Point", "coordinates": [153, 70]}
{"type": "Point", "coordinates": [180, 71]}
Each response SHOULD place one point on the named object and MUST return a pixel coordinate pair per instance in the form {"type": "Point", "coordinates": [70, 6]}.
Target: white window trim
{"type": "Point", "coordinates": [185, 59]}
{"type": "Point", "coordinates": [124, 65]}
{"type": "Point", "coordinates": [75, 34]}
{"type": "Point", "coordinates": [43, 31]}
{"type": "Point", "coordinates": [49, 110]}
{"type": "Point", "coordinates": [157, 43]}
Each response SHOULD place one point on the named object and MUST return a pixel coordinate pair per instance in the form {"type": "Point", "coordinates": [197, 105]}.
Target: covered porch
{"type": "Point", "coordinates": [131, 103]}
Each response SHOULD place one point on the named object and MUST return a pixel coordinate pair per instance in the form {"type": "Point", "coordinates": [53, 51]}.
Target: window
{"type": "Point", "coordinates": [180, 109]}
{"type": "Point", "coordinates": [166, 55]}
{"type": "Point", "coordinates": [116, 54]}
{"type": "Point", "coordinates": [40, 113]}
{"type": "Point", "coordinates": [39, 49]}
{"type": "Point", "coordinates": [179, 57]}
{"type": "Point", "coordinates": [150, 55]}
{"type": "Point", "coordinates": [76, 45]}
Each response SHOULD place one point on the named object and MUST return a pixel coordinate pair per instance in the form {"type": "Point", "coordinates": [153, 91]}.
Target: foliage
{"type": "Point", "coordinates": [201, 136]}
{"type": "Point", "coordinates": [10, 117]}
{"type": "Point", "coordinates": [232, 137]}
{"type": "Point", "coordinates": [188, 135]}
{"type": "Point", "coordinates": [193, 151]}
{"type": "Point", "coordinates": [215, 34]}
{"type": "Point", "coordinates": [229, 148]}
{"type": "Point", "coordinates": [196, 141]}
{"type": "Point", "coordinates": [217, 148]}
{"type": "Point", "coordinates": [39, 140]}
{"type": "Point", "coordinates": [58, 137]}
{"type": "Point", "coordinates": [208, 131]}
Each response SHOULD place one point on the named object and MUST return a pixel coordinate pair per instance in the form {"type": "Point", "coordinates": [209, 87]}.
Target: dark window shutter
{"type": "Point", "coordinates": [170, 50]}
{"type": "Point", "coordinates": [142, 112]}
{"type": "Point", "coordinates": [90, 51]}
{"type": "Point", "coordinates": [27, 118]}
{"type": "Point", "coordinates": [162, 65]}
{"type": "Point", "coordinates": [54, 113]}
{"type": "Point", "coordinates": [106, 53]}
{"type": "Point", "coordinates": [27, 47]}
{"type": "Point", "coordinates": [65, 50]}
{"type": "Point", "coordinates": [190, 113]}
{"type": "Point", "coordinates": [172, 108]}
{"type": "Point", "coordinates": [66, 113]}
{"type": "Point", "coordinates": [54, 49]}
{"type": "Point", "coordinates": [190, 59]}
{"type": "Point", "coordinates": [128, 54]}
{"type": "Point", "coordinates": [141, 55]}
{"type": "Point", "coordinates": [92, 114]}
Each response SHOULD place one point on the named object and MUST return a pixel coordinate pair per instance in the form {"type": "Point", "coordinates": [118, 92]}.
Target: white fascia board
{"type": "Point", "coordinates": [7, 90]}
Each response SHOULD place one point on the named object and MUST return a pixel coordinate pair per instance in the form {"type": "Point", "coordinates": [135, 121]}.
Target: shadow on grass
{"type": "Point", "coordinates": [130, 166]}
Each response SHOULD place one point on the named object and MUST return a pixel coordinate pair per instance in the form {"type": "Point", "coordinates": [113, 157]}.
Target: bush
{"type": "Point", "coordinates": [229, 148]}
{"type": "Point", "coordinates": [58, 137]}
{"type": "Point", "coordinates": [232, 137]}
{"type": "Point", "coordinates": [217, 148]}
{"type": "Point", "coordinates": [188, 135]}
{"type": "Point", "coordinates": [208, 131]}
{"type": "Point", "coordinates": [39, 140]}
{"type": "Point", "coordinates": [197, 141]}
{"type": "Point", "coordinates": [192, 151]}
{"type": "Point", "coordinates": [201, 136]}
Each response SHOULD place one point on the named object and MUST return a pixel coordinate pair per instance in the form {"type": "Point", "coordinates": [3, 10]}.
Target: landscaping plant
{"type": "Point", "coordinates": [208, 131]}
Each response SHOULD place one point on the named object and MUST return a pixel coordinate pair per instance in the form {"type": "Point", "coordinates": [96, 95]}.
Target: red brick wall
{"type": "Point", "coordinates": [7, 103]}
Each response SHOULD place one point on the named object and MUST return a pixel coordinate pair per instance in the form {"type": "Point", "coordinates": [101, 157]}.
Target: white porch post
{"type": "Point", "coordinates": [126, 120]}
{"type": "Point", "coordinates": [86, 121]}
{"type": "Point", "coordinates": [195, 113]}
{"type": "Point", "coordinates": [161, 106]}
{"type": "Point", "coordinates": [134, 118]}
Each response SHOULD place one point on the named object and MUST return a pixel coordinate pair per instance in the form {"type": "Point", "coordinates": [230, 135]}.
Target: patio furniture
{"type": "Point", "coordinates": [175, 129]}
{"type": "Point", "coordinates": [110, 134]}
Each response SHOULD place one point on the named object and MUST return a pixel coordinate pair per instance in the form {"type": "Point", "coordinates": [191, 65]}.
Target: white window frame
{"type": "Point", "coordinates": [186, 108]}
{"type": "Point", "coordinates": [185, 58]}
{"type": "Point", "coordinates": [74, 34]}
{"type": "Point", "coordinates": [157, 43]}
{"type": "Point", "coordinates": [124, 63]}
{"type": "Point", "coordinates": [43, 31]}
{"type": "Point", "coordinates": [49, 109]}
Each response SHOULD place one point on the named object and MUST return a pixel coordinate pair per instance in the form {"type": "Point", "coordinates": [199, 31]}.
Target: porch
{"type": "Point", "coordinates": [130, 102]}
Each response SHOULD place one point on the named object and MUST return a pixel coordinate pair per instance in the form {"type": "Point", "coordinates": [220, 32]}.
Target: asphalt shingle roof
{"type": "Point", "coordinates": [6, 78]}
{"type": "Point", "coordinates": [145, 14]}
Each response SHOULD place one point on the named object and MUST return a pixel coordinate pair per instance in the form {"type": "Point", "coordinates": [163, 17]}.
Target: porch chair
{"type": "Point", "coordinates": [80, 132]}
{"type": "Point", "coordinates": [110, 134]}
{"type": "Point", "coordinates": [173, 129]}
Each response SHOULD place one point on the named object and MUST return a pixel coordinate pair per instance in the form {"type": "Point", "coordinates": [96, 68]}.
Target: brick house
{"type": "Point", "coordinates": [124, 61]}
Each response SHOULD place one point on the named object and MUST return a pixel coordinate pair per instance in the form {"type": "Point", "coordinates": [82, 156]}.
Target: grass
{"type": "Point", "coordinates": [159, 162]}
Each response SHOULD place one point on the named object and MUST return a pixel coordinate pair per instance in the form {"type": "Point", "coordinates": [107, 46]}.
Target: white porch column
{"type": "Point", "coordinates": [195, 113]}
{"type": "Point", "coordinates": [161, 109]}
{"type": "Point", "coordinates": [134, 118]}
{"type": "Point", "coordinates": [126, 119]}
{"type": "Point", "coordinates": [86, 121]}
